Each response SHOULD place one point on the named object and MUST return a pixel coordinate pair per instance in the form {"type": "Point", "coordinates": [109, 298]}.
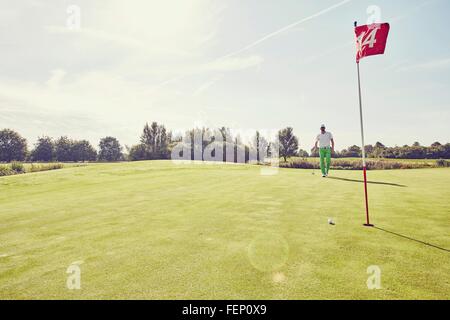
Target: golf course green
{"type": "Point", "coordinates": [159, 230]}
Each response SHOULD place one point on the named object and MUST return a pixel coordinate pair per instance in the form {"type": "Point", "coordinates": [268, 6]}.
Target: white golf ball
{"type": "Point", "coordinates": [330, 221]}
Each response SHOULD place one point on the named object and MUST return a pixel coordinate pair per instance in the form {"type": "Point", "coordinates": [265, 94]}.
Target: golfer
{"type": "Point", "coordinates": [326, 146]}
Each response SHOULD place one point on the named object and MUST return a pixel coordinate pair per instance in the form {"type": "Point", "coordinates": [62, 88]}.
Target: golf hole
{"type": "Point", "coordinates": [268, 252]}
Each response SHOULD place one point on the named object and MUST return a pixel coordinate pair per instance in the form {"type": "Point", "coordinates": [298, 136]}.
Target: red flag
{"type": "Point", "coordinates": [371, 39]}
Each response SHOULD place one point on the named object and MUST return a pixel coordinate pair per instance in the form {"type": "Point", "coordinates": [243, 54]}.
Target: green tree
{"type": "Point", "coordinates": [147, 138]}
{"type": "Point", "coordinates": [227, 139]}
{"type": "Point", "coordinates": [110, 149]}
{"type": "Point", "coordinates": [378, 150]}
{"type": "Point", "coordinates": [445, 153]}
{"type": "Point", "coordinates": [378, 144]}
{"type": "Point", "coordinates": [256, 144]}
{"type": "Point", "coordinates": [369, 151]}
{"type": "Point", "coordinates": [138, 152]}
{"type": "Point", "coordinates": [155, 133]}
{"type": "Point", "coordinates": [83, 151]}
{"type": "Point", "coordinates": [288, 143]}
{"type": "Point", "coordinates": [315, 153]}
{"type": "Point", "coordinates": [63, 149]}
{"type": "Point", "coordinates": [260, 145]}
{"type": "Point", "coordinates": [44, 149]}
{"type": "Point", "coordinates": [156, 140]}
{"type": "Point", "coordinates": [303, 153]}
{"type": "Point", "coordinates": [354, 152]}
{"type": "Point", "coordinates": [163, 142]}
{"type": "Point", "coordinates": [436, 144]}
{"type": "Point", "coordinates": [12, 146]}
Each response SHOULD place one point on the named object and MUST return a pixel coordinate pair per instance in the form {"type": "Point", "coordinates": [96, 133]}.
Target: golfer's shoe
{"type": "Point", "coordinates": [324, 175]}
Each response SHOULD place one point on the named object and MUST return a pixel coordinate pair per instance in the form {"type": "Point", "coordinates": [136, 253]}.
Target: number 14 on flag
{"type": "Point", "coordinates": [371, 39]}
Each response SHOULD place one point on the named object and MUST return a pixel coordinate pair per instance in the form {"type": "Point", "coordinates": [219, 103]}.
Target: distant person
{"type": "Point", "coordinates": [326, 146]}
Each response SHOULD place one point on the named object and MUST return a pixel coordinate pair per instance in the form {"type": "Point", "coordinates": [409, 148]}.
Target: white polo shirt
{"type": "Point", "coordinates": [324, 139]}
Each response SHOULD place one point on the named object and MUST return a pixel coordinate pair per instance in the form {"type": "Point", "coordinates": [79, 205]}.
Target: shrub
{"type": "Point", "coordinates": [299, 164]}
{"type": "Point", "coordinates": [17, 167]}
{"type": "Point", "coordinates": [54, 166]}
{"type": "Point", "coordinates": [45, 167]}
{"type": "Point", "coordinates": [443, 163]}
{"type": "Point", "coordinates": [353, 164]}
{"type": "Point", "coordinates": [6, 171]}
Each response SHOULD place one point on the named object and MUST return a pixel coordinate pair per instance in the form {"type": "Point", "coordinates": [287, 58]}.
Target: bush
{"type": "Point", "coordinates": [443, 163]}
{"type": "Point", "coordinates": [45, 167]}
{"type": "Point", "coordinates": [353, 164]}
{"type": "Point", "coordinates": [6, 171]}
{"type": "Point", "coordinates": [299, 164]}
{"type": "Point", "coordinates": [17, 167]}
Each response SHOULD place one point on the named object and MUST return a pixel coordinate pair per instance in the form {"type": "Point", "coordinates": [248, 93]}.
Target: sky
{"type": "Point", "coordinates": [93, 68]}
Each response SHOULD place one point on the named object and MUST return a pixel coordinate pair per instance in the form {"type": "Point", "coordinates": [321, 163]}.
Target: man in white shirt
{"type": "Point", "coordinates": [326, 146]}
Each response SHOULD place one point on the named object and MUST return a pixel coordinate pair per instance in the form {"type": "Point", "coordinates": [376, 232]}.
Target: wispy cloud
{"type": "Point", "coordinates": [431, 65]}
{"type": "Point", "coordinates": [229, 61]}
{"type": "Point", "coordinates": [206, 85]}
{"type": "Point", "coordinates": [285, 28]}
{"type": "Point", "coordinates": [233, 63]}
{"type": "Point", "coordinates": [396, 19]}
{"type": "Point", "coordinates": [412, 10]}
{"type": "Point", "coordinates": [225, 64]}
{"type": "Point", "coordinates": [114, 38]}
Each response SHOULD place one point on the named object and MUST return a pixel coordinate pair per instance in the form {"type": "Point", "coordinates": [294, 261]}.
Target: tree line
{"type": "Point", "coordinates": [416, 151]}
{"type": "Point", "coordinates": [156, 142]}
{"type": "Point", "coordinates": [13, 147]}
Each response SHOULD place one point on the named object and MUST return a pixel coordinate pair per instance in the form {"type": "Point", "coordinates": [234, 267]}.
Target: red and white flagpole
{"type": "Point", "coordinates": [367, 224]}
{"type": "Point", "coordinates": [371, 40]}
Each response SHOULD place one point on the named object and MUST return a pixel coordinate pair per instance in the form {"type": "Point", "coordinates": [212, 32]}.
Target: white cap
{"type": "Point", "coordinates": [322, 126]}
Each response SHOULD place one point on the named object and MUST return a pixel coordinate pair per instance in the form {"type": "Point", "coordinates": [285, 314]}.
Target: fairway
{"type": "Point", "coordinates": [159, 230]}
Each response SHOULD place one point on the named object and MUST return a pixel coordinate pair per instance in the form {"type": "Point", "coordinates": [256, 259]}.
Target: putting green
{"type": "Point", "coordinates": [156, 230]}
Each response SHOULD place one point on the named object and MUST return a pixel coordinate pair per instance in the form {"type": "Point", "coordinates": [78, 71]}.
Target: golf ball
{"type": "Point", "coordinates": [330, 221]}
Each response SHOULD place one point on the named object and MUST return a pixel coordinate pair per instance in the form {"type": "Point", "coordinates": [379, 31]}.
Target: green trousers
{"type": "Point", "coordinates": [325, 153]}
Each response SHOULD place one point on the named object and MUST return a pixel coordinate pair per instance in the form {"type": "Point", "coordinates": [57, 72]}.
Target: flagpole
{"type": "Point", "coordinates": [367, 224]}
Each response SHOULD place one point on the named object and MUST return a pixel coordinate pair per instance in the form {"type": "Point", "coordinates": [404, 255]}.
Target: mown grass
{"type": "Point", "coordinates": [158, 230]}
